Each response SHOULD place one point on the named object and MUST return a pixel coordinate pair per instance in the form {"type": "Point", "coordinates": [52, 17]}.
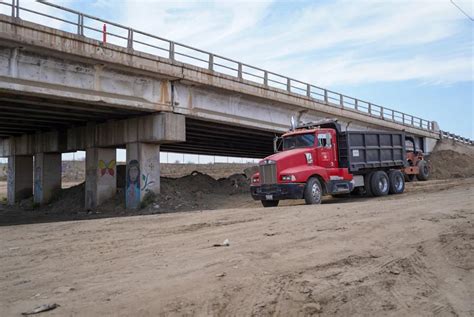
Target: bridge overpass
{"type": "Point", "coordinates": [64, 91]}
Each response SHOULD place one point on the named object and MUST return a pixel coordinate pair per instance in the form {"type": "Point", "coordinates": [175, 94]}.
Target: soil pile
{"type": "Point", "coordinates": [198, 191]}
{"type": "Point", "coordinates": [451, 164]}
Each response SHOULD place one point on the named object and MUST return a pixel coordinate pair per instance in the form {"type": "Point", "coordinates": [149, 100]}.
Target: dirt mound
{"type": "Point", "coordinates": [196, 191]}
{"type": "Point", "coordinates": [451, 164]}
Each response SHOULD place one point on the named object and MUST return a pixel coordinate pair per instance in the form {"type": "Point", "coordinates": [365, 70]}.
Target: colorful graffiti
{"type": "Point", "coordinates": [146, 181]}
{"type": "Point", "coordinates": [107, 168]}
{"type": "Point", "coordinates": [132, 194]}
{"type": "Point", "coordinates": [38, 189]}
{"type": "Point", "coordinates": [10, 182]}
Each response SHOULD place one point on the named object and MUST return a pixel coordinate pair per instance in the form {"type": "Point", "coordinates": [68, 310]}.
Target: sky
{"type": "Point", "coordinates": [415, 56]}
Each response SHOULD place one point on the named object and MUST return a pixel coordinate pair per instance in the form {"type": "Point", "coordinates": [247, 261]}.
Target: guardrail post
{"type": "Point", "coordinates": [13, 8]}
{"type": "Point", "coordinates": [130, 39]}
{"type": "Point", "coordinates": [356, 104]}
{"type": "Point", "coordinates": [403, 118]}
{"type": "Point", "coordinates": [412, 122]}
{"type": "Point", "coordinates": [80, 24]}
{"type": "Point", "coordinates": [211, 62]}
{"type": "Point", "coordinates": [381, 113]}
{"type": "Point", "coordinates": [265, 78]}
{"type": "Point", "coordinates": [308, 90]}
{"type": "Point", "coordinates": [393, 115]}
{"type": "Point", "coordinates": [288, 85]}
{"type": "Point", "coordinates": [325, 96]}
{"type": "Point", "coordinates": [369, 108]}
{"type": "Point", "coordinates": [239, 71]}
{"type": "Point", "coordinates": [421, 123]}
{"type": "Point", "coordinates": [171, 51]}
{"type": "Point", "coordinates": [341, 101]}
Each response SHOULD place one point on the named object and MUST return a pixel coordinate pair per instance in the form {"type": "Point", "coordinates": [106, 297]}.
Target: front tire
{"type": "Point", "coordinates": [397, 182]}
{"type": "Point", "coordinates": [423, 171]}
{"type": "Point", "coordinates": [313, 192]}
{"type": "Point", "coordinates": [270, 203]}
{"type": "Point", "coordinates": [379, 184]}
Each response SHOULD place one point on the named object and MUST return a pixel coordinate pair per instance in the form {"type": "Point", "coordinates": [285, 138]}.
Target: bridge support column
{"type": "Point", "coordinates": [19, 178]}
{"type": "Point", "coordinates": [47, 176]}
{"type": "Point", "coordinates": [101, 176]}
{"type": "Point", "coordinates": [142, 174]}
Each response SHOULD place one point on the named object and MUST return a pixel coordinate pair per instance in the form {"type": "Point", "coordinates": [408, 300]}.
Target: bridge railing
{"type": "Point", "coordinates": [110, 32]}
{"type": "Point", "coordinates": [455, 137]}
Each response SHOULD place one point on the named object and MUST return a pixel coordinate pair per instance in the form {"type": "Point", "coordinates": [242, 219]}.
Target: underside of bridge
{"type": "Point", "coordinates": [35, 131]}
{"type": "Point", "coordinates": [28, 115]}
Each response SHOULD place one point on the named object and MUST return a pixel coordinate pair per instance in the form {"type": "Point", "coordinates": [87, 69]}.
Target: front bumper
{"type": "Point", "coordinates": [278, 191]}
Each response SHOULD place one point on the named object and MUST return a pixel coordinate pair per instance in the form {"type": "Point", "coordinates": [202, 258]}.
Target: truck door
{"type": "Point", "coordinates": [325, 150]}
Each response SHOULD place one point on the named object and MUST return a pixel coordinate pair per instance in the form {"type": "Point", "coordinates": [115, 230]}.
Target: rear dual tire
{"type": "Point", "coordinates": [397, 182]}
{"type": "Point", "coordinates": [378, 183]}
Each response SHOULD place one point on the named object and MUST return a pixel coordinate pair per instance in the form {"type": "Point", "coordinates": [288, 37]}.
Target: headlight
{"type": "Point", "coordinates": [265, 162]}
{"type": "Point", "coordinates": [255, 180]}
{"type": "Point", "coordinates": [309, 158]}
{"type": "Point", "coordinates": [288, 178]}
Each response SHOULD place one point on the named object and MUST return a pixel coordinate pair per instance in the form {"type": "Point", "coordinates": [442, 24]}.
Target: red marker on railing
{"type": "Point", "coordinates": [104, 33]}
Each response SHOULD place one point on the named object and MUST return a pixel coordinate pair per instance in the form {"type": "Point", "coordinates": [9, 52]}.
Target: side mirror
{"type": "Point", "coordinates": [277, 143]}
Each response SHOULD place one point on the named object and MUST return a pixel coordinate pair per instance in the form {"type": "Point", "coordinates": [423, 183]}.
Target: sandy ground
{"type": "Point", "coordinates": [410, 254]}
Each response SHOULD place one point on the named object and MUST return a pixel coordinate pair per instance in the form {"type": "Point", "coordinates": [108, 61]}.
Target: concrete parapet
{"type": "Point", "coordinates": [142, 174]}
{"type": "Point", "coordinates": [47, 176]}
{"type": "Point", "coordinates": [101, 173]}
{"type": "Point", "coordinates": [19, 178]}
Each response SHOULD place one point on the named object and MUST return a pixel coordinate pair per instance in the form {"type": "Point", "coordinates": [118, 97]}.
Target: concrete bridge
{"type": "Point", "coordinates": [62, 92]}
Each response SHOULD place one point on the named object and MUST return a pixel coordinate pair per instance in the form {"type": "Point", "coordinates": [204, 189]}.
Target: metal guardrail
{"type": "Point", "coordinates": [455, 137]}
{"type": "Point", "coordinates": [89, 26]}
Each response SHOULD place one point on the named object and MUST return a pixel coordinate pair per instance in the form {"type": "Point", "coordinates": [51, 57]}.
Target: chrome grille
{"type": "Point", "coordinates": [268, 173]}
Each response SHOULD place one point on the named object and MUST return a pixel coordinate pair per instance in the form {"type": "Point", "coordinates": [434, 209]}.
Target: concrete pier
{"type": "Point", "coordinates": [19, 178]}
{"type": "Point", "coordinates": [142, 174]}
{"type": "Point", "coordinates": [47, 176]}
{"type": "Point", "coordinates": [101, 176]}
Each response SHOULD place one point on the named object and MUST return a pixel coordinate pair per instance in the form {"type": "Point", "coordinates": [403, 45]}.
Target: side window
{"type": "Point", "coordinates": [324, 140]}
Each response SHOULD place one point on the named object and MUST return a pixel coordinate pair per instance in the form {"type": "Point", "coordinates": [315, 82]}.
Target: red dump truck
{"type": "Point", "coordinates": [319, 159]}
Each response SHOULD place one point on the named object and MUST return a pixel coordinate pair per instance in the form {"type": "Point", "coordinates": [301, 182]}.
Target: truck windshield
{"type": "Point", "coordinates": [298, 140]}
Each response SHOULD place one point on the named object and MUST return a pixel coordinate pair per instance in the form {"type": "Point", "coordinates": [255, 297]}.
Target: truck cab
{"type": "Point", "coordinates": [308, 162]}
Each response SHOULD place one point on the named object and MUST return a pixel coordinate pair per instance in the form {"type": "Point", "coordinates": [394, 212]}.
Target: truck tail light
{"type": "Point", "coordinates": [309, 158]}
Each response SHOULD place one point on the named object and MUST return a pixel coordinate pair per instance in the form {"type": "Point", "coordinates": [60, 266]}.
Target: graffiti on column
{"type": "Point", "coordinates": [107, 168]}
{"type": "Point", "coordinates": [10, 182]}
{"type": "Point", "coordinates": [132, 194]}
{"type": "Point", "coordinates": [38, 190]}
{"type": "Point", "coordinates": [149, 170]}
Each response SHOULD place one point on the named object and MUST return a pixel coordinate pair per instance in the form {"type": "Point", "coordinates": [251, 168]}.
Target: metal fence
{"type": "Point", "coordinates": [106, 31]}
{"type": "Point", "coordinates": [455, 137]}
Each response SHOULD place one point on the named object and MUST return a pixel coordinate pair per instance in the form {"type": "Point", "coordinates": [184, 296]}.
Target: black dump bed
{"type": "Point", "coordinates": [364, 150]}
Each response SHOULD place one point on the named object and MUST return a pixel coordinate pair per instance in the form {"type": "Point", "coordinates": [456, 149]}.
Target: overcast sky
{"type": "Point", "coordinates": [414, 56]}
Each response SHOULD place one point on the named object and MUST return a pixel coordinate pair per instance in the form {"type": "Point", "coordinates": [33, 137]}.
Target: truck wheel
{"type": "Point", "coordinates": [368, 184]}
{"type": "Point", "coordinates": [313, 192]}
{"type": "Point", "coordinates": [397, 182]}
{"type": "Point", "coordinates": [270, 203]}
{"type": "Point", "coordinates": [424, 171]}
{"type": "Point", "coordinates": [379, 183]}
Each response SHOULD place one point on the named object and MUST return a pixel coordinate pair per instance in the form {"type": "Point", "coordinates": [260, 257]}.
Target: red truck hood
{"type": "Point", "coordinates": [290, 158]}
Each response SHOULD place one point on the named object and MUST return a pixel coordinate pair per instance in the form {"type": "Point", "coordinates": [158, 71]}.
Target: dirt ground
{"type": "Point", "coordinates": [410, 254]}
